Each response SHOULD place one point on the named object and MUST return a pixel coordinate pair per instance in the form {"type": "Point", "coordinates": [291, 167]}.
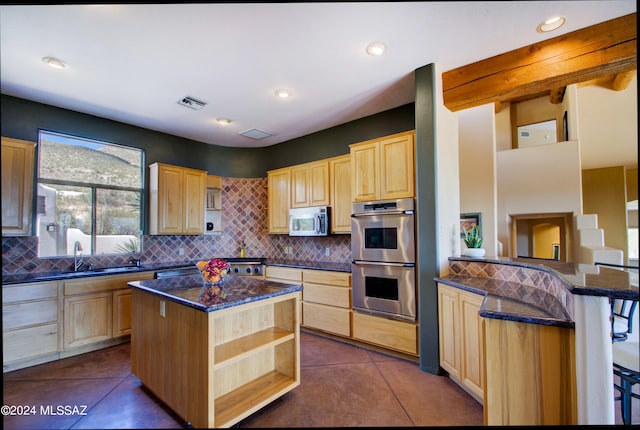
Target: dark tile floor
{"type": "Point", "coordinates": [342, 386]}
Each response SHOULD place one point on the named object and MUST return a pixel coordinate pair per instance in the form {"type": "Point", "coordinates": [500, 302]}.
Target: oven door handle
{"type": "Point", "coordinates": [381, 263]}
{"type": "Point", "coordinates": [381, 213]}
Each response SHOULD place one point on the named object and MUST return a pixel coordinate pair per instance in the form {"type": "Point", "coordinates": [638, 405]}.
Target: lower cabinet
{"type": "Point", "coordinates": [30, 333]}
{"type": "Point", "coordinates": [461, 338]}
{"type": "Point", "coordinates": [49, 320]}
{"type": "Point", "coordinates": [327, 307]}
{"type": "Point", "coordinates": [326, 301]}
{"type": "Point", "coordinates": [98, 309]}
{"type": "Point", "coordinates": [392, 334]}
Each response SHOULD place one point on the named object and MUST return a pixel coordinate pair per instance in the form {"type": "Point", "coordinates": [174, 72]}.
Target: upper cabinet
{"type": "Point", "coordinates": [17, 186]}
{"type": "Point", "coordinates": [279, 184]}
{"type": "Point", "coordinates": [177, 199]}
{"type": "Point", "coordinates": [310, 184]}
{"type": "Point", "coordinates": [383, 168]}
{"type": "Point", "coordinates": [320, 183]}
{"type": "Point", "coordinates": [213, 214]}
{"type": "Point", "coordinates": [340, 184]}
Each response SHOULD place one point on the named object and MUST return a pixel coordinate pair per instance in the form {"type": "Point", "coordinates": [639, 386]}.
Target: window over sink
{"type": "Point", "coordinates": [89, 196]}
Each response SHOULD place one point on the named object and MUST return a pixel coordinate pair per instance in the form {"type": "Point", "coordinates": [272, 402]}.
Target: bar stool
{"type": "Point", "coordinates": [626, 365]}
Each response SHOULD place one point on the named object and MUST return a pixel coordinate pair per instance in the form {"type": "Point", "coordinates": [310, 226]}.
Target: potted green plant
{"type": "Point", "coordinates": [473, 240]}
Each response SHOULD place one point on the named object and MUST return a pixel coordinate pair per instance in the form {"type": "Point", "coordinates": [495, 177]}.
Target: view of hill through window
{"type": "Point", "coordinates": [89, 196]}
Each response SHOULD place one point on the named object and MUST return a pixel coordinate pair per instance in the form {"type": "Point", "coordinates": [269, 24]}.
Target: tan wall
{"type": "Point", "coordinates": [604, 194]}
{"type": "Point", "coordinates": [538, 180]}
{"type": "Point", "coordinates": [477, 166]}
{"type": "Point", "coordinates": [632, 184]}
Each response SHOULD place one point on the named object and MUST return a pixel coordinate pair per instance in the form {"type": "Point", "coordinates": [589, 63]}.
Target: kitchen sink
{"type": "Point", "coordinates": [114, 269]}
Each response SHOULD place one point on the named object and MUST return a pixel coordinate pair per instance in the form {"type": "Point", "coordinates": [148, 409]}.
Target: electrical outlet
{"type": "Point", "coordinates": [180, 251]}
{"type": "Point", "coordinates": [163, 310]}
{"type": "Point", "coordinates": [327, 251]}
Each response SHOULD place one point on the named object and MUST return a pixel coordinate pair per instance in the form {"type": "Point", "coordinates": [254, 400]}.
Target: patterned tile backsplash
{"type": "Point", "coordinates": [517, 275]}
{"type": "Point", "coordinates": [244, 218]}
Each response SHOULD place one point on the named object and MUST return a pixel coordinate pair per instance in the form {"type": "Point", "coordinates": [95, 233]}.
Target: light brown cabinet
{"type": "Point", "coordinates": [319, 183]}
{"type": "Point", "coordinates": [310, 184]}
{"type": "Point", "coordinates": [177, 199]}
{"type": "Point", "coordinates": [340, 185]}
{"type": "Point", "coordinates": [326, 301]}
{"type": "Point", "coordinates": [461, 338]}
{"type": "Point", "coordinates": [213, 204]}
{"type": "Point", "coordinates": [383, 168]}
{"type": "Point", "coordinates": [391, 334]}
{"type": "Point", "coordinates": [17, 186]}
{"type": "Point", "coordinates": [279, 185]}
{"type": "Point", "coordinates": [30, 333]}
{"type": "Point", "coordinates": [97, 309]}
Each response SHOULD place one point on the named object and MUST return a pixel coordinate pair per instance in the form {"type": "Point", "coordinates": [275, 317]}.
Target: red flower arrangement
{"type": "Point", "coordinates": [213, 270]}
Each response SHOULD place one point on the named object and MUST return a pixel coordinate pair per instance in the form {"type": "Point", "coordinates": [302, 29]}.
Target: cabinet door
{"type": "Point", "coordinates": [87, 319]}
{"type": "Point", "coordinates": [170, 199]}
{"type": "Point", "coordinates": [17, 186]}
{"type": "Point", "coordinates": [340, 180]}
{"type": "Point", "coordinates": [195, 185]}
{"type": "Point", "coordinates": [319, 184]}
{"type": "Point", "coordinates": [448, 330]}
{"type": "Point", "coordinates": [300, 187]}
{"type": "Point", "coordinates": [471, 340]}
{"type": "Point", "coordinates": [397, 167]}
{"type": "Point", "coordinates": [365, 168]}
{"type": "Point", "coordinates": [121, 312]}
{"type": "Point", "coordinates": [278, 205]}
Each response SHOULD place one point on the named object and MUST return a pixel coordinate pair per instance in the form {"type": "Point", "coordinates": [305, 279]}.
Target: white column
{"type": "Point", "coordinates": [594, 360]}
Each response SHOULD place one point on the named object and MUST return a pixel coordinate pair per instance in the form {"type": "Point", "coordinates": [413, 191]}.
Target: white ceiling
{"type": "Point", "coordinates": [133, 63]}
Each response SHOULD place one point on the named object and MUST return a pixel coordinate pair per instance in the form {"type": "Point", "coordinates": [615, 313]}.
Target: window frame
{"type": "Point", "coordinates": [94, 187]}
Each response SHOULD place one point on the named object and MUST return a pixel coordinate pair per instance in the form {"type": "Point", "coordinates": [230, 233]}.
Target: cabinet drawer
{"type": "Point", "coordinates": [284, 273]}
{"type": "Point", "coordinates": [327, 277]}
{"type": "Point", "coordinates": [397, 335]}
{"type": "Point", "coordinates": [35, 291]}
{"type": "Point", "coordinates": [327, 318]}
{"type": "Point", "coordinates": [29, 342]}
{"type": "Point", "coordinates": [327, 295]}
{"type": "Point", "coordinates": [29, 313]}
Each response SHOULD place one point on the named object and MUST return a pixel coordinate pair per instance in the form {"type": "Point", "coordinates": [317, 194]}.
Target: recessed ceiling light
{"type": "Point", "coordinates": [376, 48]}
{"type": "Point", "coordinates": [283, 93]}
{"type": "Point", "coordinates": [551, 24]}
{"type": "Point", "coordinates": [223, 121]}
{"type": "Point", "coordinates": [54, 62]}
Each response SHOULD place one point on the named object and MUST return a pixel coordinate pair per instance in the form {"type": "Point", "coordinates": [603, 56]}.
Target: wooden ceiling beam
{"type": "Point", "coordinates": [601, 50]}
{"type": "Point", "coordinates": [556, 95]}
{"type": "Point", "coordinates": [622, 80]}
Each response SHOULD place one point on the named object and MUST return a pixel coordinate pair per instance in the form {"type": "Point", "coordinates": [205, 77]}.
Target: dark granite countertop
{"type": "Point", "coordinates": [191, 291]}
{"type": "Point", "coordinates": [56, 276]}
{"type": "Point", "coordinates": [512, 301]}
{"type": "Point", "coordinates": [581, 279]}
{"type": "Point", "coordinates": [305, 264]}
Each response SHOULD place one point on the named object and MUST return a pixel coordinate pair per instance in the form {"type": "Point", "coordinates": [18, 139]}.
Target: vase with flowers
{"type": "Point", "coordinates": [473, 240]}
{"type": "Point", "coordinates": [213, 272]}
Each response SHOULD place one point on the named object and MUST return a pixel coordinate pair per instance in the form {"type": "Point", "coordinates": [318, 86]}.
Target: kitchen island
{"type": "Point", "coordinates": [215, 360]}
{"type": "Point", "coordinates": [545, 337]}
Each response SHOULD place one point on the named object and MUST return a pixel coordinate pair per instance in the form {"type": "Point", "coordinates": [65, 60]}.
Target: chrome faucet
{"type": "Point", "coordinates": [77, 256]}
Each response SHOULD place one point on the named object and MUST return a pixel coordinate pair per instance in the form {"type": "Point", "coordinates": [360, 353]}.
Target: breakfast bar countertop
{"type": "Point", "coordinates": [191, 291]}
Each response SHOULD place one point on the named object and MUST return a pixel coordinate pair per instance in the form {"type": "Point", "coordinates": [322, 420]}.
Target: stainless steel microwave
{"type": "Point", "coordinates": [312, 221]}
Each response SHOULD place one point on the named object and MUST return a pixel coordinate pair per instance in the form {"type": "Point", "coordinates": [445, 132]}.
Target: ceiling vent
{"type": "Point", "coordinates": [255, 133]}
{"type": "Point", "coordinates": [192, 103]}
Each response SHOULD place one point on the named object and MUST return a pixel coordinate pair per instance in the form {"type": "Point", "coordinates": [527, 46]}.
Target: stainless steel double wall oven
{"type": "Point", "coordinates": [383, 254]}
